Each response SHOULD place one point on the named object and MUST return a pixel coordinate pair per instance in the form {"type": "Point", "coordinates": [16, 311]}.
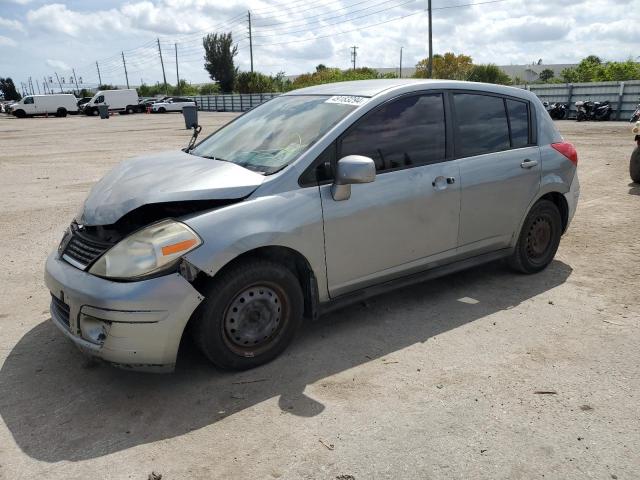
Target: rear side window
{"type": "Point", "coordinates": [519, 122]}
{"type": "Point", "coordinates": [405, 132]}
{"type": "Point", "coordinates": [481, 123]}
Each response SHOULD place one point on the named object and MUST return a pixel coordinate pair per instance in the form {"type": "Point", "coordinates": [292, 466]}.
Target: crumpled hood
{"type": "Point", "coordinates": [164, 177]}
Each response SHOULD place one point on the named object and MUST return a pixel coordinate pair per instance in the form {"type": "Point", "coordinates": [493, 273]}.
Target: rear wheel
{"type": "Point", "coordinates": [539, 238]}
{"type": "Point", "coordinates": [250, 315]}
{"type": "Point", "coordinates": [130, 109]}
{"type": "Point", "coordinates": [162, 110]}
{"type": "Point", "coordinates": [580, 116]}
{"type": "Point", "coordinates": [61, 112]}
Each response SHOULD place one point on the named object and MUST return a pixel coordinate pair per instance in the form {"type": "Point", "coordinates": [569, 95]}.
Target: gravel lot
{"type": "Point", "coordinates": [440, 380]}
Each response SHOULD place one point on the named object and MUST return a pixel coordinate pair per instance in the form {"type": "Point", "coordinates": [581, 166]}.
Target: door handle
{"type": "Point", "coordinates": [440, 182]}
{"type": "Point", "coordinates": [528, 163]}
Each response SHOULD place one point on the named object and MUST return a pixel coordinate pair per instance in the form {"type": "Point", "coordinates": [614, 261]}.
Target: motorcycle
{"type": "Point", "coordinates": [593, 110]}
{"type": "Point", "coordinates": [636, 115]}
{"type": "Point", "coordinates": [558, 111]}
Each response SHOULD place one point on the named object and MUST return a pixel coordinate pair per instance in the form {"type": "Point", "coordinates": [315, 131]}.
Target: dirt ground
{"type": "Point", "coordinates": [484, 374]}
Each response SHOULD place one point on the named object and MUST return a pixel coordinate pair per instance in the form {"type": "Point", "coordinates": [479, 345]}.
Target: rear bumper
{"type": "Point", "coordinates": [135, 325]}
{"type": "Point", "coordinates": [572, 197]}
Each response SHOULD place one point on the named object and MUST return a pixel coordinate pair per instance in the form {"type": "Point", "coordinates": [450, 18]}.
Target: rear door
{"type": "Point", "coordinates": [499, 167]}
{"type": "Point", "coordinates": [409, 214]}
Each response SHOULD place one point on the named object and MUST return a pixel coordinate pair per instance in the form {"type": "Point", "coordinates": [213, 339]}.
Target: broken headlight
{"type": "Point", "coordinates": [148, 251]}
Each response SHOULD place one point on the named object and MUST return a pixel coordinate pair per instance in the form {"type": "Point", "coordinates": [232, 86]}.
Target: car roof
{"type": "Point", "coordinates": [371, 88]}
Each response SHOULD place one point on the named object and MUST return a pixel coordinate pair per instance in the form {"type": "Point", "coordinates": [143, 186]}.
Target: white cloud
{"type": "Point", "coordinates": [514, 31]}
{"type": "Point", "coordinates": [11, 24]}
{"type": "Point", "coordinates": [7, 42]}
{"type": "Point", "coordinates": [19, 2]}
{"type": "Point", "coordinates": [58, 64]}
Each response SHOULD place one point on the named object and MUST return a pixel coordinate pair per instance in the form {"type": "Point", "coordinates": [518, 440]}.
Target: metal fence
{"type": "Point", "coordinates": [237, 102]}
{"type": "Point", "coordinates": [623, 96]}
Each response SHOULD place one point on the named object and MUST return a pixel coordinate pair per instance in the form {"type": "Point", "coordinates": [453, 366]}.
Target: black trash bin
{"type": "Point", "coordinates": [190, 113]}
{"type": "Point", "coordinates": [104, 111]}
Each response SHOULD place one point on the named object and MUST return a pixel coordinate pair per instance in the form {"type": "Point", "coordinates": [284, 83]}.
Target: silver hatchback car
{"type": "Point", "coordinates": [319, 197]}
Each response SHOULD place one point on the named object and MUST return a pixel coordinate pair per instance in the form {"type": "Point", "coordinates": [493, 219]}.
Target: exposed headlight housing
{"type": "Point", "coordinates": [147, 251]}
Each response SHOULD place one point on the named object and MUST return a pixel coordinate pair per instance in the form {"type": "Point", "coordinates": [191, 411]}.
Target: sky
{"type": "Point", "coordinates": [39, 38]}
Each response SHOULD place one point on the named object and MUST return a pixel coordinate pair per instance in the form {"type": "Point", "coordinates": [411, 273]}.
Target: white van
{"type": "Point", "coordinates": [123, 101]}
{"type": "Point", "coordinates": [58, 105]}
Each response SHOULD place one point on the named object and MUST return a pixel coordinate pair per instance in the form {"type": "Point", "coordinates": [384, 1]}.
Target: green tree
{"type": "Point", "coordinates": [8, 89]}
{"type": "Point", "coordinates": [253, 82]}
{"type": "Point", "coordinates": [620, 71]}
{"type": "Point", "coordinates": [209, 89]}
{"type": "Point", "coordinates": [448, 66]}
{"type": "Point", "coordinates": [106, 86]}
{"type": "Point", "coordinates": [218, 54]}
{"type": "Point", "coordinates": [546, 75]}
{"type": "Point", "coordinates": [489, 73]}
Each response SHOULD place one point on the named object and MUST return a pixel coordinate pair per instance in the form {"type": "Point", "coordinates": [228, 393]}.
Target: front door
{"type": "Point", "coordinates": [409, 215]}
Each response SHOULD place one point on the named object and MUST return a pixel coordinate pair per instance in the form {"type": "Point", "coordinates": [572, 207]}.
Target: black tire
{"type": "Point", "coordinates": [62, 112]}
{"type": "Point", "coordinates": [562, 114]}
{"type": "Point", "coordinates": [162, 110]}
{"type": "Point", "coordinates": [580, 116]}
{"type": "Point", "coordinates": [263, 301]}
{"type": "Point", "coordinates": [539, 238]}
{"type": "Point", "coordinates": [130, 110]}
{"type": "Point", "coordinates": [95, 112]}
{"type": "Point", "coordinates": [20, 113]}
{"type": "Point", "coordinates": [634, 165]}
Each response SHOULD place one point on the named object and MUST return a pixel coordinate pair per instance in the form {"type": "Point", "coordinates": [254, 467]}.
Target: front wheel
{"type": "Point", "coordinates": [61, 112]}
{"type": "Point", "coordinates": [250, 315]}
{"type": "Point", "coordinates": [539, 238]}
{"type": "Point", "coordinates": [580, 116]}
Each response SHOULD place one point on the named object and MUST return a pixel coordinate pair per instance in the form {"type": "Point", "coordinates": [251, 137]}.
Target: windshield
{"type": "Point", "coordinates": [273, 135]}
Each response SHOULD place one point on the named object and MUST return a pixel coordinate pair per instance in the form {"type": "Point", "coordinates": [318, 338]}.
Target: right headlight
{"type": "Point", "coordinates": [147, 251]}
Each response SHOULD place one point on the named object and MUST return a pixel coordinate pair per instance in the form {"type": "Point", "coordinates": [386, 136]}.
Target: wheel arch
{"type": "Point", "coordinates": [554, 195]}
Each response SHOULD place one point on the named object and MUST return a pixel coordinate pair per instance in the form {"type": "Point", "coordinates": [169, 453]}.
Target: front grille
{"type": "Point", "coordinates": [60, 310]}
{"type": "Point", "coordinates": [82, 250]}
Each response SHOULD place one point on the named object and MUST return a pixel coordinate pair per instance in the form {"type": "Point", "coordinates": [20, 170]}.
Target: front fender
{"type": "Point", "coordinates": [291, 219]}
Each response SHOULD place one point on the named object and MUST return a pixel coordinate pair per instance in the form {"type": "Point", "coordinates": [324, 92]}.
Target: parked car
{"type": "Point", "coordinates": [83, 101]}
{"type": "Point", "coordinates": [59, 105]}
{"type": "Point", "coordinates": [122, 101]}
{"type": "Point", "coordinates": [172, 104]}
{"type": "Point", "coordinates": [317, 198]}
{"type": "Point", "coordinates": [145, 103]}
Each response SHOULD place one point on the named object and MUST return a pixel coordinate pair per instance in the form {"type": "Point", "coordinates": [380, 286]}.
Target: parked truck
{"type": "Point", "coordinates": [59, 105]}
{"type": "Point", "coordinates": [123, 101]}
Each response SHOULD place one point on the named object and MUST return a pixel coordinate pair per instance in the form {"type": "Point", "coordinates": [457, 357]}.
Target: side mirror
{"type": "Point", "coordinates": [352, 169]}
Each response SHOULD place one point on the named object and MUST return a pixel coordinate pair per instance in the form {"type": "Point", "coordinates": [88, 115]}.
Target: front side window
{"type": "Point", "coordinates": [481, 124]}
{"type": "Point", "coordinates": [519, 122]}
{"type": "Point", "coordinates": [28, 100]}
{"type": "Point", "coordinates": [405, 132]}
{"type": "Point", "coordinates": [100, 99]}
{"type": "Point", "coordinates": [274, 134]}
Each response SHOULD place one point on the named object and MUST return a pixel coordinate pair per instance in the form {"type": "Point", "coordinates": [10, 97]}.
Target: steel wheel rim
{"type": "Point", "coordinates": [539, 238]}
{"type": "Point", "coordinates": [254, 318]}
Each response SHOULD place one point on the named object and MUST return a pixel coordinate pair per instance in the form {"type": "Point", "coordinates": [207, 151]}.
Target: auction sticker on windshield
{"type": "Point", "coordinates": [347, 100]}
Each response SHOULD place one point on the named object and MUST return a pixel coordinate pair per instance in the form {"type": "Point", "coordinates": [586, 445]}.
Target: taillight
{"type": "Point", "coordinates": [568, 150]}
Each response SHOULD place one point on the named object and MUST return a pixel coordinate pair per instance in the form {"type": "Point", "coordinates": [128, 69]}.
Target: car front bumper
{"type": "Point", "coordinates": [135, 325]}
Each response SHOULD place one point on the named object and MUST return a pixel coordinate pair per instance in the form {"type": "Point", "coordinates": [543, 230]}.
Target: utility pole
{"type": "Point", "coordinates": [354, 54]}
{"type": "Point", "coordinates": [75, 79]}
{"type": "Point", "coordinates": [430, 65]}
{"type": "Point", "coordinates": [126, 75]}
{"type": "Point", "coordinates": [400, 62]}
{"type": "Point", "coordinates": [162, 63]}
{"type": "Point", "coordinates": [177, 72]}
{"type": "Point", "coordinates": [250, 40]}
{"type": "Point", "coordinates": [61, 90]}
{"type": "Point", "coordinates": [99, 77]}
